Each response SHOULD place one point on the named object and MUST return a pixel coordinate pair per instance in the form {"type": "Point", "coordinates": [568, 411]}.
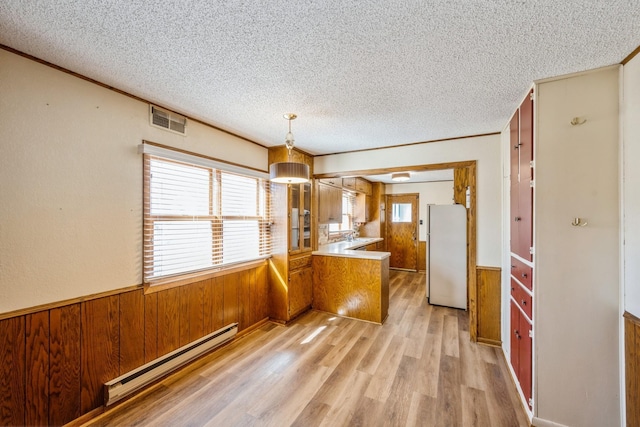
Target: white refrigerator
{"type": "Point", "coordinates": [447, 255]}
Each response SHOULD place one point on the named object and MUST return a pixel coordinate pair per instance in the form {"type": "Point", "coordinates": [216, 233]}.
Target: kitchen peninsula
{"type": "Point", "coordinates": [350, 281]}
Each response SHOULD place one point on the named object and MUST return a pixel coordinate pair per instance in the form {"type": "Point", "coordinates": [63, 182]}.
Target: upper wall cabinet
{"type": "Point", "coordinates": [329, 204]}
{"type": "Point", "coordinates": [521, 150]}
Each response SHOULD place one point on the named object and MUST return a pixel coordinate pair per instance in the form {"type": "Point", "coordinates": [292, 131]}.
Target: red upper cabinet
{"type": "Point", "coordinates": [521, 147]}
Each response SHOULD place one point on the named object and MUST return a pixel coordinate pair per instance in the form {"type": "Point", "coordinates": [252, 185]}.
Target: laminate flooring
{"type": "Point", "coordinates": [418, 369]}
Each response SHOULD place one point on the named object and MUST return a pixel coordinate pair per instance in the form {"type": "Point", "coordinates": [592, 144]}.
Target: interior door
{"type": "Point", "coordinates": [402, 231]}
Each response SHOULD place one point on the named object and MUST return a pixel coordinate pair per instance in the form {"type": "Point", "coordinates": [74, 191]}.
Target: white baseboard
{"type": "Point", "coordinates": [540, 422]}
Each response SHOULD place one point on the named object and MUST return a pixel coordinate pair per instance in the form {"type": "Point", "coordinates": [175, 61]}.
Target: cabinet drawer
{"type": "Point", "coordinates": [522, 298]}
{"type": "Point", "coordinates": [295, 263]}
{"type": "Point", "coordinates": [522, 272]}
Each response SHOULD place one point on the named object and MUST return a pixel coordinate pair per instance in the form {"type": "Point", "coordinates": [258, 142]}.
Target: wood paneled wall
{"type": "Point", "coordinates": [632, 368]}
{"type": "Point", "coordinates": [488, 281]}
{"type": "Point", "coordinates": [54, 362]}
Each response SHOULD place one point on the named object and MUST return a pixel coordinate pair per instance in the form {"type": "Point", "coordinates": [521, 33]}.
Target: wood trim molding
{"type": "Point", "coordinates": [629, 57]}
{"type": "Point", "coordinates": [169, 283]}
{"type": "Point", "coordinates": [58, 304]}
{"type": "Point", "coordinates": [631, 318]}
{"type": "Point", "coordinates": [410, 168]}
{"type": "Point", "coordinates": [412, 143]}
{"type": "Point", "coordinates": [632, 367]}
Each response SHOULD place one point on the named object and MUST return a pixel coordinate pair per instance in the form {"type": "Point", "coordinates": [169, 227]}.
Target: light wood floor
{"type": "Point", "coordinates": [419, 368]}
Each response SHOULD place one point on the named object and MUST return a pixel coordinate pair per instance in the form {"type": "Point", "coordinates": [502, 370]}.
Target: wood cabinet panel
{"type": "Point", "coordinates": [362, 209]}
{"type": "Point", "coordinates": [132, 319]}
{"type": "Point", "coordinates": [12, 378]}
{"type": "Point", "coordinates": [352, 287]}
{"type": "Point", "coordinates": [37, 369]}
{"type": "Point", "coordinates": [329, 204]}
{"type": "Point", "coordinates": [300, 282]}
{"type": "Point", "coordinates": [349, 183]}
{"type": "Point", "coordinates": [100, 347]}
{"type": "Point", "coordinates": [363, 186]}
{"type": "Point", "coordinates": [64, 364]}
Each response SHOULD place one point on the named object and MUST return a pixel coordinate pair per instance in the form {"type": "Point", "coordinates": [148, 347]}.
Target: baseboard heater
{"type": "Point", "coordinates": [132, 381]}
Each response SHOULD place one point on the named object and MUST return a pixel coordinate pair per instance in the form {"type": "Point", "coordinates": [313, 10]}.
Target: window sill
{"type": "Point", "coordinates": [186, 279]}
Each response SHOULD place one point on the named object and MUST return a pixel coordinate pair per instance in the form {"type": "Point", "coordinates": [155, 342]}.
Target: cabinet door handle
{"type": "Point", "coordinates": [518, 219]}
{"type": "Point", "coordinates": [524, 302]}
{"type": "Point", "coordinates": [524, 275]}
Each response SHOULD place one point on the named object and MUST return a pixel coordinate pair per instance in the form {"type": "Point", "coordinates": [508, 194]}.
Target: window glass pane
{"type": "Point", "coordinates": [168, 183]}
{"type": "Point", "coordinates": [181, 246]}
{"type": "Point", "coordinates": [241, 240]}
{"type": "Point", "coordinates": [239, 195]}
{"type": "Point", "coordinates": [401, 212]}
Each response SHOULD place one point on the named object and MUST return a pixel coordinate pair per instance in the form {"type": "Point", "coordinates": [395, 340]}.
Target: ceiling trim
{"type": "Point", "coordinates": [122, 92]}
{"type": "Point", "coordinates": [382, 171]}
{"type": "Point", "coordinates": [631, 56]}
{"type": "Point", "coordinates": [410, 144]}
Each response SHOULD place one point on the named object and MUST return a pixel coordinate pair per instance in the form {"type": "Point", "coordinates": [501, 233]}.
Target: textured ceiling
{"type": "Point", "coordinates": [359, 74]}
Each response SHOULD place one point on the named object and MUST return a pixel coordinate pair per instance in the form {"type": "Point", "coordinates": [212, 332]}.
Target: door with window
{"type": "Point", "coordinates": [402, 231]}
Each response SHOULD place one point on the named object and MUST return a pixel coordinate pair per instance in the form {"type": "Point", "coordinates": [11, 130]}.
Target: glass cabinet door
{"type": "Point", "coordinates": [295, 217]}
{"type": "Point", "coordinates": [305, 216]}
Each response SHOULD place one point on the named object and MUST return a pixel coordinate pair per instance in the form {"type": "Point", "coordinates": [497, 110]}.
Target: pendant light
{"type": "Point", "coordinates": [289, 172]}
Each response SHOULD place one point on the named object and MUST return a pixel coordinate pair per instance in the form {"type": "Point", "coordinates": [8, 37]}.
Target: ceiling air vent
{"type": "Point", "coordinates": [168, 120]}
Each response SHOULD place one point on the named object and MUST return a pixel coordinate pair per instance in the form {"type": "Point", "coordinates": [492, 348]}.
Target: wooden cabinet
{"type": "Point", "coordinates": [329, 204]}
{"type": "Point", "coordinates": [363, 186]}
{"type": "Point", "coordinates": [521, 349]}
{"type": "Point", "coordinates": [299, 217]}
{"type": "Point", "coordinates": [300, 285]}
{"type": "Point", "coordinates": [349, 183]}
{"type": "Point", "coordinates": [521, 127]}
{"type": "Point", "coordinates": [293, 214]}
{"type": "Point", "coordinates": [521, 231]}
{"type": "Point", "coordinates": [334, 182]}
{"type": "Point", "coordinates": [362, 208]}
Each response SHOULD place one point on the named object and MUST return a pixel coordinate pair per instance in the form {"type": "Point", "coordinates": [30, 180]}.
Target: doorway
{"type": "Point", "coordinates": [402, 231]}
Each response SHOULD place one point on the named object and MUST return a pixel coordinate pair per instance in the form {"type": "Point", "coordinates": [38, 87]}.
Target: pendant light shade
{"type": "Point", "coordinates": [289, 172]}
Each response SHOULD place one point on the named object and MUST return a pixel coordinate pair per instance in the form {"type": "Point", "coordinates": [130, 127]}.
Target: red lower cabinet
{"type": "Point", "coordinates": [521, 349]}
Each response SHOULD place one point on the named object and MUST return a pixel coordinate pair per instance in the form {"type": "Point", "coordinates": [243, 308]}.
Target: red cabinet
{"type": "Point", "coordinates": [521, 213]}
{"type": "Point", "coordinates": [522, 272]}
{"type": "Point", "coordinates": [521, 149]}
{"type": "Point", "coordinates": [521, 348]}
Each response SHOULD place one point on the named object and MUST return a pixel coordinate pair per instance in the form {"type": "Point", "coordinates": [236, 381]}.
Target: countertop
{"type": "Point", "coordinates": [348, 249]}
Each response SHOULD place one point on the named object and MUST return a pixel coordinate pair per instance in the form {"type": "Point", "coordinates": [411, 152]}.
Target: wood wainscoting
{"type": "Point", "coordinates": [632, 367]}
{"type": "Point", "coordinates": [54, 362]}
{"type": "Point", "coordinates": [488, 281]}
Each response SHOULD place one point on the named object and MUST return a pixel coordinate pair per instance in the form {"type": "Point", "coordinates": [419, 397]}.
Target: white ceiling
{"type": "Point", "coordinates": [359, 74]}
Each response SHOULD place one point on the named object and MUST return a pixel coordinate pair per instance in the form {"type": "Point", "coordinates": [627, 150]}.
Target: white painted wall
{"type": "Point", "coordinates": [484, 149]}
{"type": "Point", "coordinates": [71, 182]}
{"type": "Point", "coordinates": [631, 185]}
{"type": "Point", "coordinates": [429, 193]}
{"type": "Point", "coordinates": [576, 275]}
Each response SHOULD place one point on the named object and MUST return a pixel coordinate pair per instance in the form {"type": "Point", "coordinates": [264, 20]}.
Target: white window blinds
{"type": "Point", "coordinates": [198, 218]}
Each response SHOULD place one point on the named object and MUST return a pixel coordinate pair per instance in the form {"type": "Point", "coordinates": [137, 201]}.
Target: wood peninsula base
{"type": "Point", "coordinates": [352, 286]}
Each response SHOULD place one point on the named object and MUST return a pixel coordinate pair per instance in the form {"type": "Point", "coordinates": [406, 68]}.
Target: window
{"type": "Point", "coordinates": [199, 217]}
{"type": "Point", "coordinates": [401, 212]}
{"type": "Point", "coordinates": [348, 201]}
